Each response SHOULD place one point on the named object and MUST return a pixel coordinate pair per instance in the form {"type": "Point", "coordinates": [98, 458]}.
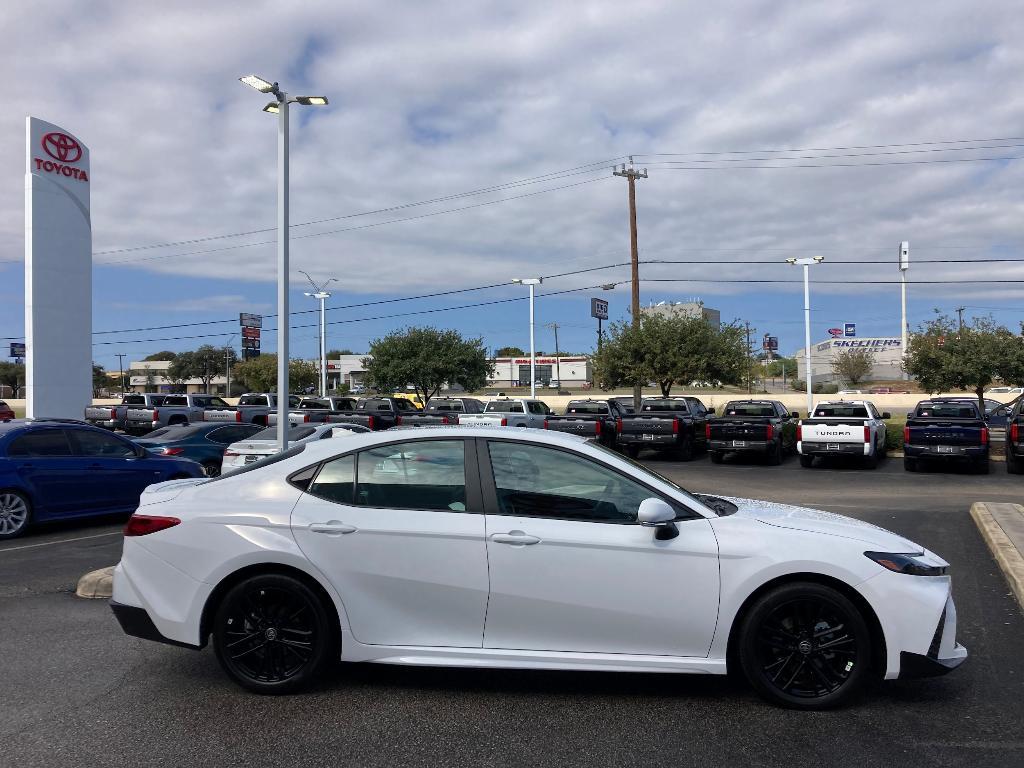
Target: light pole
{"type": "Point", "coordinates": [280, 108]}
{"type": "Point", "coordinates": [532, 282]}
{"type": "Point", "coordinates": [806, 264]}
{"type": "Point", "coordinates": [320, 292]}
{"type": "Point", "coordinates": [904, 266]}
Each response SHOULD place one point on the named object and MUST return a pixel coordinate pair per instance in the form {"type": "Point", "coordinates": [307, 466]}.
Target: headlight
{"type": "Point", "coordinates": [910, 563]}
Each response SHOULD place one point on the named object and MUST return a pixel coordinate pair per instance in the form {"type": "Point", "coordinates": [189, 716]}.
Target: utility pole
{"type": "Point", "coordinates": [631, 175]}
{"type": "Point", "coordinates": [960, 315]}
{"type": "Point", "coordinates": [904, 262]}
{"type": "Point", "coordinates": [558, 367]}
{"type": "Point", "coordinates": [749, 367]}
{"type": "Point", "coordinates": [120, 369]}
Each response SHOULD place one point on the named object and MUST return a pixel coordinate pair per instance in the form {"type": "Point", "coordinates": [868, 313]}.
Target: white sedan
{"type": "Point", "coordinates": [264, 443]}
{"type": "Point", "coordinates": [475, 547]}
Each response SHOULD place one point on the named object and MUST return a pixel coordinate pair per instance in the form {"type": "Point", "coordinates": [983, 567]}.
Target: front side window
{"type": "Point", "coordinates": [102, 444]}
{"type": "Point", "coordinates": [44, 442]}
{"type": "Point", "coordinates": [535, 481]}
{"type": "Point", "coordinates": [425, 474]}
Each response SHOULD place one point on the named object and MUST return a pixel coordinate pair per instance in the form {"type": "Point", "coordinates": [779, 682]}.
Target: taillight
{"type": "Point", "coordinates": [984, 435]}
{"type": "Point", "coordinates": [398, 420]}
{"type": "Point", "coordinates": [504, 421]}
{"type": "Point", "coordinates": [618, 426]}
{"type": "Point", "coordinates": [113, 414]}
{"type": "Point", "coordinates": [1014, 433]}
{"type": "Point", "coordinates": [707, 430]}
{"type": "Point", "coordinates": [444, 420]}
{"type": "Point", "coordinates": [370, 422]}
{"type": "Point", "coordinates": [231, 453]}
{"type": "Point", "coordinates": [143, 525]}
{"type": "Point", "coordinates": [769, 433]}
{"type": "Point", "coordinates": [156, 414]}
{"type": "Point", "coordinates": [906, 435]}
{"type": "Point", "coordinates": [597, 427]}
{"type": "Point", "coordinates": [675, 426]}
{"type": "Point", "coordinates": [238, 416]}
{"type": "Point", "coordinates": [867, 434]}
{"type": "Point", "coordinates": [545, 423]}
{"type": "Point", "coordinates": [171, 451]}
{"type": "Point", "coordinates": [305, 418]}
{"type": "Point", "coordinates": [799, 432]}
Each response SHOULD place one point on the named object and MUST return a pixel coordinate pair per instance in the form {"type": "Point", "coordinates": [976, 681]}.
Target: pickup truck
{"type": "Point", "coordinates": [252, 408]}
{"type": "Point", "coordinates": [316, 410]}
{"type": "Point", "coordinates": [842, 428]}
{"type": "Point", "coordinates": [589, 418]}
{"type": "Point", "coordinates": [510, 412]}
{"type": "Point", "coordinates": [113, 416]}
{"type": "Point", "coordinates": [946, 429]}
{"type": "Point", "coordinates": [1014, 433]}
{"type": "Point", "coordinates": [752, 426]}
{"type": "Point", "coordinates": [675, 424]}
{"type": "Point", "coordinates": [441, 410]}
{"type": "Point", "coordinates": [376, 413]}
{"type": "Point", "coordinates": [175, 409]}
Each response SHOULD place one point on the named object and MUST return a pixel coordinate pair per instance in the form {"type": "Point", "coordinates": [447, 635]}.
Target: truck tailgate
{"type": "Point", "coordinates": [945, 433]}
{"type": "Point", "coordinates": [427, 419]}
{"type": "Point", "coordinates": [723, 429]}
{"type": "Point", "coordinates": [222, 415]}
{"type": "Point", "coordinates": [575, 425]}
{"type": "Point", "coordinates": [140, 414]}
{"type": "Point", "coordinates": [648, 425]}
{"type": "Point", "coordinates": [838, 431]}
{"type": "Point", "coordinates": [98, 413]}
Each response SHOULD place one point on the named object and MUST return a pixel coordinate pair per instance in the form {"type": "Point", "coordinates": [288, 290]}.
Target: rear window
{"type": "Point", "coordinates": [503, 406]}
{"type": "Point", "coordinates": [273, 458]}
{"type": "Point", "coordinates": [678, 406]}
{"type": "Point", "coordinates": [598, 408]}
{"type": "Point", "coordinates": [252, 400]}
{"type": "Point", "coordinates": [401, 404]}
{"type": "Point", "coordinates": [133, 400]}
{"type": "Point", "coordinates": [295, 433]}
{"type": "Point", "coordinates": [373, 404]}
{"type": "Point", "coordinates": [841, 412]}
{"type": "Point", "coordinates": [307, 404]}
{"type": "Point", "coordinates": [450, 405]}
{"type": "Point", "coordinates": [749, 409]}
{"type": "Point", "coordinates": [948, 411]}
{"type": "Point", "coordinates": [176, 400]}
{"type": "Point", "coordinates": [176, 432]}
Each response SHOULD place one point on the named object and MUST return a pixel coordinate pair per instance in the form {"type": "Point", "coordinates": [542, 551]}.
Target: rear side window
{"type": "Point", "coordinates": [44, 442]}
{"type": "Point", "coordinates": [336, 480]}
{"type": "Point", "coordinates": [428, 474]}
{"type": "Point", "coordinates": [176, 400]}
{"type": "Point", "coordinates": [102, 444]}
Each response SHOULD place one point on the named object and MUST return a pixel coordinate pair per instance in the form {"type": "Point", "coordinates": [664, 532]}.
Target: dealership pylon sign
{"type": "Point", "coordinates": [58, 272]}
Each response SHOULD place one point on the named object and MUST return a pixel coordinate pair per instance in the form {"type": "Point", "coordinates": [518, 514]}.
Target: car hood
{"type": "Point", "coordinates": [819, 521]}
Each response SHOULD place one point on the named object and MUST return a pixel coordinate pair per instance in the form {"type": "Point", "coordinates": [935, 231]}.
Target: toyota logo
{"type": "Point", "coordinates": [62, 147]}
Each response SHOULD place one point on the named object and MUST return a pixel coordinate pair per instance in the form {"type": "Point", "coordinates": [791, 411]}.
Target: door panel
{"type": "Point", "coordinates": [43, 460]}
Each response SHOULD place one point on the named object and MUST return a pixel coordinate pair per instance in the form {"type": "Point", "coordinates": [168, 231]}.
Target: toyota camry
{"type": "Point", "coordinates": [480, 547]}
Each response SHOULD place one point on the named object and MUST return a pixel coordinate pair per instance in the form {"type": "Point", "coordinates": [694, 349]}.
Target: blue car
{"type": "Point", "coordinates": [203, 442]}
{"type": "Point", "coordinates": [60, 470]}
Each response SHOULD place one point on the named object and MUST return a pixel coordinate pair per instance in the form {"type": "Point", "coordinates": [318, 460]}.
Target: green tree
{"type": "Point", "coordinates": [336, 353]}
{"type": "Point", "coordinates": [670, 350]}
{"type": "Point", "coordinates": [165, 355]}
{"type": "Point", "coordinates": [181, 369]}
{"type": "Point", "coordinates": [943, 356]}
{"type": "Point", "coordinates": [427, 358]}
{"type": "Point", "coordinates": [302, 374]}
{"type": "Point", "coordinates": [853, 365]}
{"type": "Point", "coordinates": [509, 352]}
{"type": "Point", "coordinates": [204, 364]}
{"type": "Point", "coordinates": [780, 367]}
{"type": "Point", "coordinates": [12, 375]}
{"type": "Point", "coordinates": [259, 374]}
{"type": "Point", "coordinates": [100, 381]}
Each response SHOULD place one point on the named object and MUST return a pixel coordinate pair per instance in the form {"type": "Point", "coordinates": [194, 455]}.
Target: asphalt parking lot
{"type": "Point", "coordinates": [76, 691]}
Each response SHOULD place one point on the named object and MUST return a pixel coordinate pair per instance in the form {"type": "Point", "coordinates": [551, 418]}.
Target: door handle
{"type": "Point", "coordinates": [336, 528]}
{"type": "Point", "coordinates": [514, 537]}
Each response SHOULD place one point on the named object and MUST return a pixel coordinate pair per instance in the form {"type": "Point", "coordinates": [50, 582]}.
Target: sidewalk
{"type": "Point", "coordinates": [1002, 527]}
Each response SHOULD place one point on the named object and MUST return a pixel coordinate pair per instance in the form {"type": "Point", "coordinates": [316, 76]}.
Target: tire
{"type": "Point", "coordinates": [805, 646]}
{"type": "Point", "coordinates": [716, 456]}
{"type": "Point", "coordinates": [273, 635]}
{"type": "Point", "coordinates": [806, 462]}
{"type": "Point", "coordinates": [909, 464]}
{"type": "Point", "coordinates": [871, 462]}
{"type": "Point", "coordinates": [685, 450]}
{"type": "Point", "coordinates": [1013, 464]}
{"type": "Point", "coordinates": [15, 514]}
{"type": "Point", "coordinates": [632, 451]}
{"type": "Point", "coordinates": [981, 467]}
{"type": "Point", "coordinates": [174, 420]}
{"type": "Point", "coordinates": [211, 468]}
{"type": "Point", "coordinates": [774, 456]}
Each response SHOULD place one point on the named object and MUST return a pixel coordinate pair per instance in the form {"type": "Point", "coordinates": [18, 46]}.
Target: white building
{"type": "Point", "coordinates": [887, 350]}
{"type": "Point", "coordinates": [515, 371]}
{"type": "Point", "coordinates": [692, 308]}
{"type": "Point", "coordinates": [347, 369]}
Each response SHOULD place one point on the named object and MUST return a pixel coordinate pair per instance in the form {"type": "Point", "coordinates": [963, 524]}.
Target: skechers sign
{"type": "Point", "coordinates": [64, 150]}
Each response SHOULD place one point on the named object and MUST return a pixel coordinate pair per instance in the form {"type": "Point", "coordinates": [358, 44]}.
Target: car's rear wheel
{"type": "Point", "coordinates": [1014, 466]}
{"type": "Point", "coordinates": [909, 464]}
{"type": "Point", "coordinates": [272, 634]}
{"type": "Point", "coordinates": [685, 450]}
{"type": "Point", "coordinates": [805, 646]}
{"type": "Point", "coordinates": [981, 466]}
{"type": "Point", "coordinates": [632, 451]}
{"type": "Point", "coordinates": [716, 456]}
{"type": "Point", "coordinates": [774, 455]}
{"type": "Point", "coordinates": [15, 514]}
{"type": "Point", "coordinates": [806, 461]}
{"type": "Point", "coordinates": [211, 468]}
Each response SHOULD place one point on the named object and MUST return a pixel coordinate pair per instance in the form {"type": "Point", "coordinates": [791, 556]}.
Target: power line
{"type": "Point", "coordinates": [832, 149]}
{"type": "Point", "coordinates": [837, 165]}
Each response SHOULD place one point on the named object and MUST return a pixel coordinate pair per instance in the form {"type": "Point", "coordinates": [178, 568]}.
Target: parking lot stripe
{"type": "Point", "coordinates": [61, 541]}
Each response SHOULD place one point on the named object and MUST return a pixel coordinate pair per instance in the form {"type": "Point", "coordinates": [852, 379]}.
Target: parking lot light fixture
{"type": "Point", "coordinates": [320, 293]}
{"type": "Point", "coordinates": [312, 101]}
{"type": "Point", "coordinates": [806, 264]}
{"type": "Point", "coordinates": [280, 108]}
{"type": "Point", "coordinates": [532, 282]}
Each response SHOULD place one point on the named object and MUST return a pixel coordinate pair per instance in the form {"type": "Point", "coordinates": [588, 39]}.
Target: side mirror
{"type": "Point", "coordinates": [886, 415]}
{"type": "Point", "coordinates": [795, 415]}
{"type": "Point", "coordinates": [654, 513]}
{"type": "Point", "coordinates": [910, 415]}
{"type": "Point", "coordinates": [711, 411]}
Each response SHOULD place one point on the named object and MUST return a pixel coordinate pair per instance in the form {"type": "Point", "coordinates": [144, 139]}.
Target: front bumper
{"type": "Point", "coordinates": [944, 653]}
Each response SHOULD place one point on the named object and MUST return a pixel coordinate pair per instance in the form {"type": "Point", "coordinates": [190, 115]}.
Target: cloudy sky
{"type": "Point", "coordinates": [468, 143]}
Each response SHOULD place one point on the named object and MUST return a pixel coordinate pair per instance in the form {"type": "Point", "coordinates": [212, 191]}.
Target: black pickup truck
{"type": "Point", "coordinates": [376, 413]}
{"type": "Point", "coordinates": [676, 424]}
{"type": "Point", "coordinates": [752, 426]}
{"type": "Point", "coordinates": [1014, 432]}
{"type": "Point", "coordinates": [946, 429]}
{"type": "Point", "coordinates": [440, 411]}
{"type": "Point", "coordinates": [589, 418]}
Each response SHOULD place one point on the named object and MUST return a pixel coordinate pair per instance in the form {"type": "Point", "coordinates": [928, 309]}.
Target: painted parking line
{"type": "Point", "coordinates": [61, 541]}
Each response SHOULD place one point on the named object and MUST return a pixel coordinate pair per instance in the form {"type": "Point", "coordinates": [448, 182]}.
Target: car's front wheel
{"type": "Point", "coordinates": [272, 634]}
{"type": "Point", "coordinates": [805, 646]}
{"type": "Point", "coordinates": [15, 514]}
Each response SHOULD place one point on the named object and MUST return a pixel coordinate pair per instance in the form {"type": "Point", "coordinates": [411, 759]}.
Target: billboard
{"type": "Point", "coordinates": [849, 329]}
{"type": "Point", "coordinates": [58, 271]}
{"type": "Point", "coordinates": [247, 320]}
{"type": "Point", "coordinates": [770, 343]}
{"type": "Point", "coordinates": [599, 309]}
{"type": "Point", "coordinates": [17, 349]}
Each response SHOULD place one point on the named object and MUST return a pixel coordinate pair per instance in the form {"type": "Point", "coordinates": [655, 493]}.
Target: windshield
{"type": "Point", "coordinates": [841, 412]}
{"type": "Point", "coordinates": [252, 400]}
{"type": "Point", "coordinates": [295, 433]}
{"type": "Point", "coordinates": [749, 409]}
{"type": "Point", "coordinates": [176, 400]}
{"type": "Point", "coordinates": [665, 405]}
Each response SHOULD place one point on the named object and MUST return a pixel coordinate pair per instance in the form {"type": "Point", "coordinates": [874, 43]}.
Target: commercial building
{"type": "Point", "coordinates": [887, 351]}
{"type": "Point", "coordinates": [347, 369]}
{"type": "Point", "coordinates": [569, 372]}
{"type": "Point", "coordinates": [692, 308]}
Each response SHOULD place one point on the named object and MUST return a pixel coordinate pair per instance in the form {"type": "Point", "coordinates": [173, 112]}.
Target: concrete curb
{"type": "Point", "coordinates": [988, 516]}
{"type": "Point", "coordinates": [97, 584]}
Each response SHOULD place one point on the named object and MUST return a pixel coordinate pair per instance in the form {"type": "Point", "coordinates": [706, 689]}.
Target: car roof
{"type": "Point", "coordinates": [361, 440]}
{"type": "Point", "coordinates": [14, 425]}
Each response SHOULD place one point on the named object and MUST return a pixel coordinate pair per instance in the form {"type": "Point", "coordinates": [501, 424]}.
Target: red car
{"type": "Point", "coordinates": [5, 411]}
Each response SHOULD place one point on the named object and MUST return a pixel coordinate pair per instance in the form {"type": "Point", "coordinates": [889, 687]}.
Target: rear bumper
{"type": "Point", "coordinates": [105, 423]}
{"type": "Point", "coordinates": [758, 446]}
{"type": "Point", "coordinates": [959, 452]}
{"type": "Point", "coordinates": [654, 441]}
{"type": "Point", "coordinates": [136, 622]}
{"type": "Point", "coordinates": [807, 448]}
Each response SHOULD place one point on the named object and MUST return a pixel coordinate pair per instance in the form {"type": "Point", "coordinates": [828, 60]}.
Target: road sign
{"type": "Point", "coordinates": [849, 329]}
{"type": "Point", "coordinates": [247, 320]}
{"type": "Point", "coordinates": [770, 343]}
{"type": "Point", "coordinates": [17, 349]}
{"type": "Point", "coordinates": [599, 309]}
{"type": "Point", "coordinates": [250, 333]}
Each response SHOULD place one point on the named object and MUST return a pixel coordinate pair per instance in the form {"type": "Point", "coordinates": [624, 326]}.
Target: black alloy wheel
{"type": "Point", "coordinates": [211, 468]}
{"type": "Point", "coordinates": [686, 449]}
{"type": "Point", "coordinates": [15, 514]}
{"type": "Point", "coordinates": [806, 462]}
{"type": "Point", "coordinates": [716, 456]}
{"type": "Point", "coordinates": [805, 646]}
{"type": "Point", "coordinates": [1014, 466]}
{"type": "Point", "coordinates": [774, 455]}
{"type": "Point", "coordinates": [909, 464]}
{"type": "Point", "coordinates": [272, 634]}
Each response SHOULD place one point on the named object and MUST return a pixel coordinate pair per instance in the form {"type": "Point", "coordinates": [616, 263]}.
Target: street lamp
{"type": "Point", "coordinates": [320, 292]}
{"type": "Point", "coordinates": [533, 282]}
{"type": "Point", "coordinates": [904, 266]}
{"type": "Point", "coordinates": [806, 264]}
{"type": "Point", "coordinates": [280, 108]}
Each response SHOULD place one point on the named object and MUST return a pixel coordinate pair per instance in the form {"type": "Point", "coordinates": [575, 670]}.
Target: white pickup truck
{"type": "Point", "coordinates": [509, 412]}
{"type": "Point", "coordinates": [842, 428]}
